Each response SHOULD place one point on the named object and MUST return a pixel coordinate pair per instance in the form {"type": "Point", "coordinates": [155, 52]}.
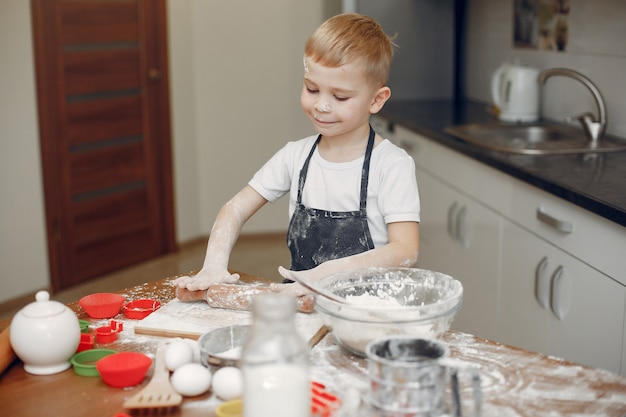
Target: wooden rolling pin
{"type": "Point", "coordinates": [236, 296]}
{"type": "Point", "coordinates": [7, 356]}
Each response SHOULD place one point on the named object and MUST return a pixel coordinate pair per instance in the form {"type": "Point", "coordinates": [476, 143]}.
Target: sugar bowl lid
{"type": "Point", "coordinates": [43, 306]}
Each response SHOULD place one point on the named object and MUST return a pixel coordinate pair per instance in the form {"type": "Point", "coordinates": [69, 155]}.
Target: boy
{"type": "Point", "coordinates": [354, 201]}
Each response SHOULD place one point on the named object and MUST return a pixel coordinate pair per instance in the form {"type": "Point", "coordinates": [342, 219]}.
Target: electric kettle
{"type": "Point", "coordinates": [515, 91]}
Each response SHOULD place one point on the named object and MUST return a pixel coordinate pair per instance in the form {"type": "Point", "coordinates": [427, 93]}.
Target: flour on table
{"type": "Point", "coordinates": [514, 382]}
{"type": "Point", "coordinates": [531, 384]}
{"type": "Point", "coordinates": [198, 318]}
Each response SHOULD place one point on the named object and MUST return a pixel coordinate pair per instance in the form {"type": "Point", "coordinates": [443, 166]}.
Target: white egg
{"type": "Point", "coordinates": [178, 353]}
{"type": "Point", "coordinates": [191, 379]}
{"type": "Point", "coordinates": [228, 383]}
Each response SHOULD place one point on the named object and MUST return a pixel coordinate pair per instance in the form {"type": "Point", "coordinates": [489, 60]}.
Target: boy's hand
{"type": "Point", "coordinates": [205, 278]}
{"type": "Point", "coordinates": [291, 288]}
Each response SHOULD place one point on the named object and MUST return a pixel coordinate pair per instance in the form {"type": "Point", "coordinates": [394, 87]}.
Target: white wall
{"type": "Point", "coordinates": [236, 75]}
{"type": "Point", "coordinates": [236, 69]}
{"type": "Point", "coordinates": [247, 75]}
{"type": "Point", "coordinates": [23, 252]}
{"type": "Point", "coordinates": [596, 48]}
{"type": "Point", "coordinates": [183, 119]}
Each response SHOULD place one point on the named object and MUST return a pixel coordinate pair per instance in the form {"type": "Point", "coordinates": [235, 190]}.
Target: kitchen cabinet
{"type": "Point", "coordinates": [555, 304]}
{"type": "Point", "coordinates": [459, 237]}
{"type": "Point", "coordinates": [497, 235]}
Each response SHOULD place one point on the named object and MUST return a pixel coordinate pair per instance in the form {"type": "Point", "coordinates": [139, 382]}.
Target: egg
{"type": "Point", "coordinates": [178, 353]}
{"type": "Point", "coordinates": [228, 383]}
{"type": "Point", "coordinates": [191, 379]}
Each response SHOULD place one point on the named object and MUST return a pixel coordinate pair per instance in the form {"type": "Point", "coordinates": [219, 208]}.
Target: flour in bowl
{"type": "Point", "coordinates": [232, 353]}
{"type": "Point", "coordinates": [373, 301]}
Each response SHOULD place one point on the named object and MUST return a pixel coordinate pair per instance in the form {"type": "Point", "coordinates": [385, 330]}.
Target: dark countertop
{"type": "Point", "coordinates": [594, 181]}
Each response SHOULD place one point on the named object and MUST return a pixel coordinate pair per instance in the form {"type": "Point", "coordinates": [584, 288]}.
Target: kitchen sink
{"type": "Point", "coordinates": [535, 139]}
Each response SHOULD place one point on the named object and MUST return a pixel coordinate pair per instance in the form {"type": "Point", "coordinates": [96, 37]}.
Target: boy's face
{"type": "Point", "coordinates": [339, 100]}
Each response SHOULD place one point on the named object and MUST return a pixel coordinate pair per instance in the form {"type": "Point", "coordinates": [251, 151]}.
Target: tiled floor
{"type": "Point", "coordinates": [258, 255]}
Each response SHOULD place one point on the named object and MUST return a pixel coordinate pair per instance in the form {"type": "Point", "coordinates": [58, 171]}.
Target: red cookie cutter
{"type": "Point", "coordinates": [108, 334]}
{"type": "Point", "coordinates": [139, 309]}
{"type": "Point", "coordinates": [323, 403]}
{"type": "Point", "coordinates": [86, 342]}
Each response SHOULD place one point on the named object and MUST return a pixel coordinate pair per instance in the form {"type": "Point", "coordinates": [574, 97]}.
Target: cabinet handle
{"type": "Point", "coordinates": [542, 283]}
{"type": "Point", "coordinates": [564, 226]}
{"type": "Point", "coordinates": [462, 227]}
{"type": "Point", "coordinates": [452, 219]}
{"type": "Point", "coordinates": [561, 292]}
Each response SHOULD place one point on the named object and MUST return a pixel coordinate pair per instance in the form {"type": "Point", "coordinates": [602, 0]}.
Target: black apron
{"type": "Point", "coordinates": [316, 236]}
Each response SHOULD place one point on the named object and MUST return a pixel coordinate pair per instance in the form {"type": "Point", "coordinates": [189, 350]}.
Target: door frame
{"type": "Point", "coordinates": [156, 59]}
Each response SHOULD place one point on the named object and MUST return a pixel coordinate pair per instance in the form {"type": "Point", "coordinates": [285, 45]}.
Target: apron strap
{"type": "Point", "coordinates": [364, 171]}
{"type": "Point", "coordinates": [305, 169]}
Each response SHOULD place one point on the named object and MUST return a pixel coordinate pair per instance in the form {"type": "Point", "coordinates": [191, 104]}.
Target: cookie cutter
{"type": "Point", "coordinates": [108, 334]}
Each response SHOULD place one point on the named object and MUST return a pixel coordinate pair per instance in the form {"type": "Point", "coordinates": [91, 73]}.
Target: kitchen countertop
{"type": "Point", "coordinates": [594, 181]}
{"type": "Point", "coordinates": [515, 382]}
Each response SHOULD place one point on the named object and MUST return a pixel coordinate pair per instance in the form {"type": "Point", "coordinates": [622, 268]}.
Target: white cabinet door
{"type": "Point", "coordinates": [523, 321]}
{"type": "Point", "coordinates": [555, 304]}
{"type": "Point", "coordinates": [461, 238]}
{"type": "Point", "coordinates": [591, 332]}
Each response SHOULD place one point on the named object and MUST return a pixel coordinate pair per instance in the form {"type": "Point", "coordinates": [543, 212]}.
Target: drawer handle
{"type": "Point", "coordinates": [564, 226]}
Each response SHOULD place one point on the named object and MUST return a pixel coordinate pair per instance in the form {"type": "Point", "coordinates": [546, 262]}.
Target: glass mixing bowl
{"type": "Point", "coordinates": [388, 302]}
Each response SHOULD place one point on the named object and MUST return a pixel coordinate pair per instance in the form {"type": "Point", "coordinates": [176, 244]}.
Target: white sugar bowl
{"type": "Point", "coordinates": [44, 335]}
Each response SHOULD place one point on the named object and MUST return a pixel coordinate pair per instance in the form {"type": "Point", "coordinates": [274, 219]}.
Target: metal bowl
{"type": "Point", "coordinates": [222, 347]}
{"type": "Point", "coordinates": [388, 302]}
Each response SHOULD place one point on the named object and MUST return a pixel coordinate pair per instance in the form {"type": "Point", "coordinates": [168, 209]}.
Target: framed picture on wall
{"type": "Point", "coordinates": [541, 24]}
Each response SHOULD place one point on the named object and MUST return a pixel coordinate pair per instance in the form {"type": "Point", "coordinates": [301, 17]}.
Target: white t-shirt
{"type": "Point", "coordinates": [392, 194]}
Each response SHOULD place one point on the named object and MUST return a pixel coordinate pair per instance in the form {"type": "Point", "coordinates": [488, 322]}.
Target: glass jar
{"type": "Point", "coordinates": [274, 361]}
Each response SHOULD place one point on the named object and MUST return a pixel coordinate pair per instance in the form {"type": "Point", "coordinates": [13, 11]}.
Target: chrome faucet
{"type": "Point", "coordinates": [594, 128]}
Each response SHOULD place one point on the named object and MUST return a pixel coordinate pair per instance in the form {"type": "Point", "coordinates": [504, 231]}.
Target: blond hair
{"type": "Point", "coordinates": [352, 37]}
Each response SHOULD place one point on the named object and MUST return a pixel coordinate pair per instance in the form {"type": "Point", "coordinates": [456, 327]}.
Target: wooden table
{"type": "Point", "coordinates": [514, 382]}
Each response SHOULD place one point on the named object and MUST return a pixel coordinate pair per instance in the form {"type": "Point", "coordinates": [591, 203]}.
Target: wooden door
{"type": "Point", "coordinates": [102, 85]}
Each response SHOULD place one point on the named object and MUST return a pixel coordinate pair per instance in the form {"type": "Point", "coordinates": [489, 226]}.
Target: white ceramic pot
{"type": "Point", "coordinates": [44, 335]}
